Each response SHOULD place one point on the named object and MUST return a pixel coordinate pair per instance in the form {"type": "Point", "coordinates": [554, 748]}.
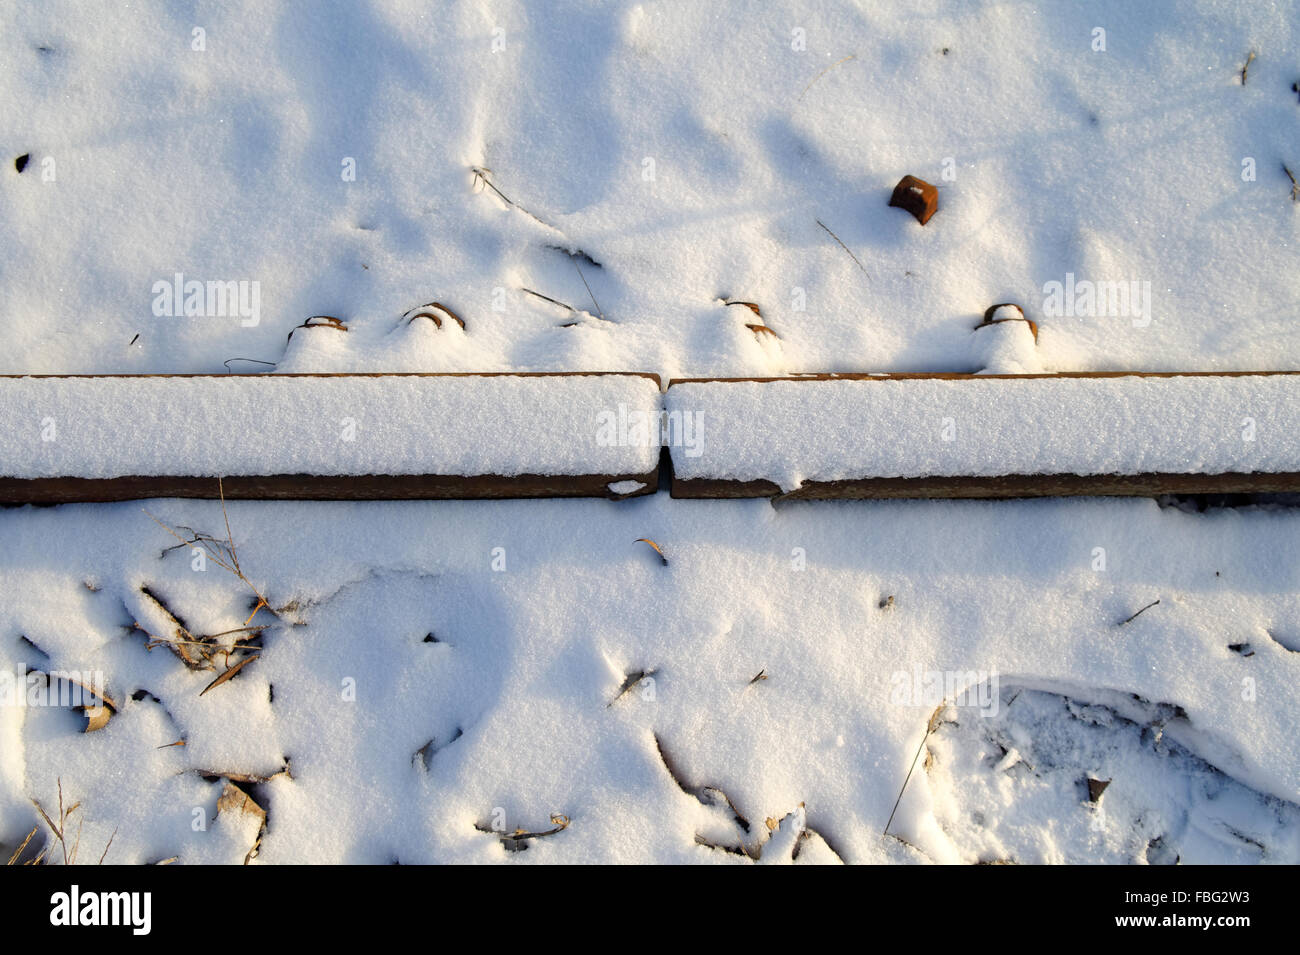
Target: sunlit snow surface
{"type": "Point", "coordinates": [436, 674]}
{"type": "Point", "coordinates": [439, 667]}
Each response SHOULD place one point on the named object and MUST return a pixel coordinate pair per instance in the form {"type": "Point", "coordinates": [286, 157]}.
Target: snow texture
{"type": "Point", "coordinates": [689, 149]}
{"type": "Point", "coordinates": [271, 424]}
{"type": "Point", "coordinates": [588, 185]}
{"type": "Point", "coordinates": [419, 689]}
{"type": "Point", "coordinates": [828, 430]}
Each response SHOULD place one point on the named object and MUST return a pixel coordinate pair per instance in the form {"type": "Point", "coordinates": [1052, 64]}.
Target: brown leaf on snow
{"type": "Point", "coordinates": [646, 540]}
{"type": "Point", "coordinates": [229, 674]}
{"type": "Point", "coordinates": [96, 717]}
{"type": "Point", "coordinates": [234, 799]}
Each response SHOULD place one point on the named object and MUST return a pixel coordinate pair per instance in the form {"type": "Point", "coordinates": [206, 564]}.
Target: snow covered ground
{"type": "Point", "coordinates": [433, 668]}
{"type": "Point", "coordinates": [688, 149]}
{"type": "Point", "coordinates": [586, 186]}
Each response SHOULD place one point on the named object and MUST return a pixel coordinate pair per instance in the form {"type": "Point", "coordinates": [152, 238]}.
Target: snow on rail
{"type": "Point", "coordinates": [985, 435]}
{"type": "Point", "coordinates": [289, 435]}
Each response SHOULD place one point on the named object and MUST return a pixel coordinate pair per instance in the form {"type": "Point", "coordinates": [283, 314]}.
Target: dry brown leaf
{"type": "Point", "coordinates": [424, 311]}
{"type": "Point", "coordinates": [749, 305]}
{"type": "Point", "coordinates": [933, 725]}
{"type": "Point", "coordinates": [96, 717]}
{"type": "Point", "coordinates": [319, 321]}
{"type": "Point", "coordinates": [646, 540]}
{"type": "Point", "coordinates": [234, 799]}
{"type": "Point", "coordinates": [229, 674]}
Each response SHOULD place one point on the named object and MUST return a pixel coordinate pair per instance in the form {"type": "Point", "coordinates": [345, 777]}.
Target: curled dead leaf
{"type": "Point", "coordinates": [427, 310]}
{"type": "Point", "coordinates": [658, 550]}
{"type": "Point", "coordinates": [749, 305]}
{"type": "Point", "coordinates": [319, 321]}
{"type": "Point", "coordinates": [96, 717]}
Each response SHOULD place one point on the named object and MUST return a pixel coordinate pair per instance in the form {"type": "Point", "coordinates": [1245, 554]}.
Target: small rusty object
{"type": "Point", "coordinates": [990, 317]}
{"type": "Point", "coordinates": [1095, 788]}
{"type": "Point", "coordinates": [916, 196]}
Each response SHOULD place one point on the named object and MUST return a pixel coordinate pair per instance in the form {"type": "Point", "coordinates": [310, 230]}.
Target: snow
{"type": "Point", "coordinates": [625, 487]}
{"type": "Point", "coordinates": [827, 430]}
{"type": "Point", "coordinates": [517, 694]}
{"type": "Point", "coordinates": [587, 186]}
{"type": "Point", "coordinates": [1010, 345]}
{"type": "Point", "coordinates": [103, 427]}
{"type": "Point", "coordinates": [690, 150]}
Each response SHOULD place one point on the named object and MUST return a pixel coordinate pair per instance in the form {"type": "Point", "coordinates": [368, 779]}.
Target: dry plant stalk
{"type": "Point", "coordinates": [225, 556]}
{"type": "Point", "coordinates": [844, 247]}
{"type": "Point", "coordinates": [930, 727]}
{"type": "Point", "coordinates": [547, 298]}
{"type": "Point", "coordinates": [60, 833]}
{"type": "Point", "coordinates": [589, 292]}
{"type": "Point", "coordinates": [481, 176]}
{"type": "Point", "coordinates": [13, 859]}
{"type": "Point", "coordinates": [851, 56]}
{"type": "Point", "coordinates": [1139, 613]}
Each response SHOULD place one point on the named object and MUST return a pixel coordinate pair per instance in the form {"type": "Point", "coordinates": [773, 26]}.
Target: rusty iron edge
{"type": "Point", "coordinates": [653, 376]}
{"type": "Point", "coordinates": [417, 487]}
{"type": "Point", "coordinates": [996, 487]}
{"type": "Point", "coordinates": [315, 487]}
{"type": "Point", "coordinates": [965, 376]}
{"type": "Point", "coordinates": [993, 487]}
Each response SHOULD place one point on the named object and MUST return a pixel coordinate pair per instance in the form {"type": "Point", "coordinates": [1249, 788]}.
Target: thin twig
{"type": "Point", "coordinates": [851, 56]}
{"type": "Point", "coordinates": [1246, 69]}
{"type": "Point", "coordinates": [929, 728]}
{"type": "Point", "coordinates": [19, 851]}
{"type": "Point", "coordinates": [584, 282]}
{"type": "Point", "coordinates": [845, 248]}
{"type": "Point", "coordinates": [107, 847]}
{"type": "Point", "coordinates": [1295, 187]}
{"type": "Point", "coordinates": [206, 641]}
{"type": "Point", "coordinates": [480, 175]}
{"type": "Point", "coordinates": [547, 298]}
{"type": "Point", "coordinates": [232, 565]}
{"type": "Point", "coordinates": [1136, 615]}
